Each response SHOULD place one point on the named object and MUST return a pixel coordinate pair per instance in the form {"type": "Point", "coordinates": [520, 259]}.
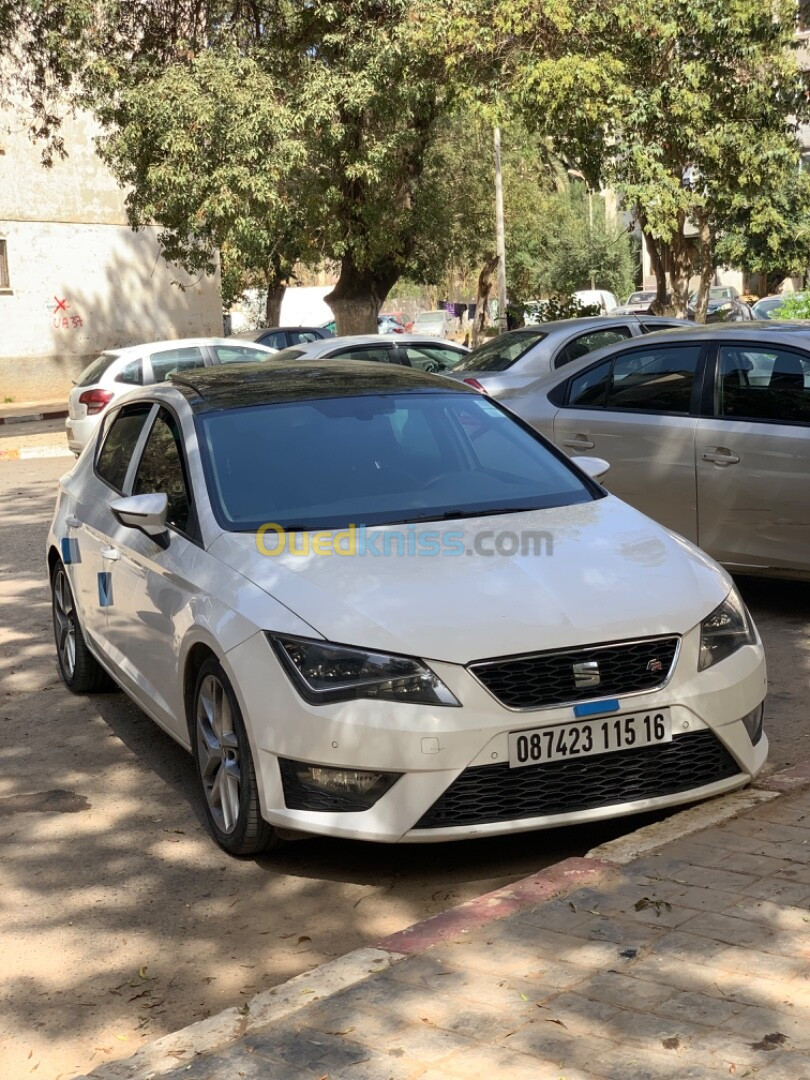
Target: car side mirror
{"type": "Point", "coordinates": [595, 467]}
{"type": "Point", "coordinates": [144, 512]}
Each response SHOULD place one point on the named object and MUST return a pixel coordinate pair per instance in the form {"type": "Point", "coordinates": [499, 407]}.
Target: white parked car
{"type": "Point", "coordinates": [601, 298]}
{"type": "Point", "coordinates": [116, 371]}
{"type": "Point", "coordinates": [373, 604]}
{"type": "Point", "coordinates": [435, 323]}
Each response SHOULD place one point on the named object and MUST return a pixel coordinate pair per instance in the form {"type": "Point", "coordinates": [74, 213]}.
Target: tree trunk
{"type": "Point", "coordinates": [272, 307]}
{"type": "Point", "coordinates": [680, 268]}
{"type": "Point", "coordinates": [486, 284]}
{"type": "Point", "coordinates": [706, 269]}
{"type": "Point", "coordinates": [358, 296]}
{"type": "Point", "coordinates": [659, 305]}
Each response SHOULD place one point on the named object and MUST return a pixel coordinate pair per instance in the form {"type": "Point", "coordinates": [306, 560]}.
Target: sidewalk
{"type": "Point", "coordinates": [652, 958]}
{"type": "Point", "coordinates": [28, 411]}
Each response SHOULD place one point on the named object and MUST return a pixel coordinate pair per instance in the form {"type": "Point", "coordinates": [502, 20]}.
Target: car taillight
{"type": "Point", "coordinates": [95, 400]}
{"type": "Point", "coordinates": [476, 385]}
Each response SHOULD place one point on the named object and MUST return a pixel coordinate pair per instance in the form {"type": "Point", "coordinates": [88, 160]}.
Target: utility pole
{"type": "Point", "coordinates": [500, 240]}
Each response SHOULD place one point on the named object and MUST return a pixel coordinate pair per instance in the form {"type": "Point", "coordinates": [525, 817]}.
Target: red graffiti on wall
{"type": "Point", "coordinates": [65, 321]}
{"type": "Point", "coordinates": [68, 322]}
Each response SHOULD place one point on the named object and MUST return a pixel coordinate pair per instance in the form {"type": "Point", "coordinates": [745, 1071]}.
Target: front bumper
{"type": "Point", "coordinates": [433, 747]}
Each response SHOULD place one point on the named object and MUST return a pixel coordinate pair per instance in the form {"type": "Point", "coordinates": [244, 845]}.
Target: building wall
{"type": "Point", "coordinates": [80, 280]}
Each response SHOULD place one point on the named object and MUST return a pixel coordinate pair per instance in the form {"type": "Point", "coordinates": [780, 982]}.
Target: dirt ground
{"type": "Point", "coordinates": [120, 920]}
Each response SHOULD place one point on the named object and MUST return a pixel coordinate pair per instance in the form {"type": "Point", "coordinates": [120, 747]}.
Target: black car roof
{"type": "Point", "coordinates": [233, 386]}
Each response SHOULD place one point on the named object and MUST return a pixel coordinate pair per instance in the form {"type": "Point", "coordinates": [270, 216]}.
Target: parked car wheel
{"type": "Point", "coordinates": [225, 766]}
{"type": "Point", "coordinates": [80, 671]}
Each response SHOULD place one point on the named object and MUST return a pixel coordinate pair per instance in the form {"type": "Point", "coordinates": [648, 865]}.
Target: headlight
{"type": "Point", "coordinates": [727, 629]}
{"type": "Point", "coordinates": [324, 673]}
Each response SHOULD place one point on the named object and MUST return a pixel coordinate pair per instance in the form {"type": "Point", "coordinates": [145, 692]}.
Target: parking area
{"type": "Point", "coordinates": [121, 920]}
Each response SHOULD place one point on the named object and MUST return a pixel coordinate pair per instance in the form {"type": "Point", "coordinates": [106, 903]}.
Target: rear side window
{"type": "Point", "coordinates": [119, 443]}
{"type": "Point", "coordinates": [167, 362]}
{"type": "Point", "coordinates": [382, 355]}
{"type": "Point", "coordinates": [588, 390]}
{"type": "Point", "coordinates": [432, 357]}
{"type": "Point", "coordinates": [585, 343]}
{"type": "Point", "coordinates": [93, 372]}
{"type": "Point", "coordinates": [298, 336]}
{"type": "Point", "coordinates": [239, 354]}
{"type": "Point", "coordinates": [132, 373]}
{"type": "Point", "coordinates": [656, 380]}
{"type": "Point", "coordinates": [763, 384]}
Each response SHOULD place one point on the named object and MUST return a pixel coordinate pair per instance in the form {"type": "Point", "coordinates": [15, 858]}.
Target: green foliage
{"type": "Point", "coordinates": [564, 239]}
{"type": "Point", "coordinates": [796, 306]}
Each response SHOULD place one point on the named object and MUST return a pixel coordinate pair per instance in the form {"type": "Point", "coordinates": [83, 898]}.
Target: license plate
{"type": "Point", "coordinates": [589, 737]}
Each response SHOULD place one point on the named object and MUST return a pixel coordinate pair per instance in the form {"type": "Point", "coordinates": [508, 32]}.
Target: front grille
{"type": "Point", "coordinates": [490, 793]}
{"type": "Point", "coordinates": [547, 678]}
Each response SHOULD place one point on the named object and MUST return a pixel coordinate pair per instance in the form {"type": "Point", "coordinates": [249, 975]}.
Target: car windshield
{"type": "Point", "coordinates": [502, 352]}
{"type": "Point", "coordinates": [429, 318]}
{"type": "Point", "coordinates": [93, 372]}
{"type": "Point", "coordinates": [640, 297]}
{"type": "Point", "coordinates": [378, 459]}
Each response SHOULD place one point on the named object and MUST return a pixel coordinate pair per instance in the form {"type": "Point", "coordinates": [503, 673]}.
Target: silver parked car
{"type": "Point", "coordinates": [409, 350]}
{"type": "Point", "coordinates": [516, 359]}
{"type": "Point", "coordinates": [706, 430]}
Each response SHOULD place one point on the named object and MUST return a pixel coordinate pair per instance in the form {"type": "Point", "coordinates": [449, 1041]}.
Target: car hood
{"type": "Point", "coordinates": [610, 573]}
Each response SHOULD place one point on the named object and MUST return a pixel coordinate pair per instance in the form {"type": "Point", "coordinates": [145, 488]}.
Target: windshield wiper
{"type": "Point", "coordinates": [450, 515]}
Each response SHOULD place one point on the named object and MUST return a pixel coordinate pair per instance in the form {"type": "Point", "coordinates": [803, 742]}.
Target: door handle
{"type": "Point", "coordinates": [720, 455]}
{"type": "Point", "coordinates": [579, 442]}
{"type": "Point", "coordinates": [110, 554]}
{"type": "Point", "coordinates": [72, 521]}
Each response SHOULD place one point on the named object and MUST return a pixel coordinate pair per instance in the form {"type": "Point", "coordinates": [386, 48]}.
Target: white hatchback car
{"type": "Point", "coordinates": [375, 605]}
{"type": "Point", "coordinates": [116, 371]}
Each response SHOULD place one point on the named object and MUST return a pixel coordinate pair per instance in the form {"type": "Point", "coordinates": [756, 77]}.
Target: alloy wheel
{"type": "Point", "coordinates": [64, 617]}
{"type": "Point", "coordinates": [218, 753]}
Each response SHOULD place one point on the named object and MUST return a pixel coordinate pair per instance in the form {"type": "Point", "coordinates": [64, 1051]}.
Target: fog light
{"type": "Point", "coordinates": [754, 723]}
{"type": "Point", "coordinates": [322, 787]}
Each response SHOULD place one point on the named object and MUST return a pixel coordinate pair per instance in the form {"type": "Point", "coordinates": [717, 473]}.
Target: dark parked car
{"type": "Point", "coordinates": [725, 305]}
{"type": "Point", "coordinates": [282, 337]}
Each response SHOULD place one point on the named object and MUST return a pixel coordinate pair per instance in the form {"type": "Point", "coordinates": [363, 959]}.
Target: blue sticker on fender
{"type": "Point", "coordinates": [70, 550]}
{"type": "Point", "coordinates": [596, 708]}
{"type": "Point", "coordinates": [105, 589]}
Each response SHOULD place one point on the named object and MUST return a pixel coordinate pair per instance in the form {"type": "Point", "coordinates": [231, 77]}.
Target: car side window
{"type": "Point", "coordinates": [588, 390]}
{"type": "Point", "coordinates": [170, 360]}
{"type": "Point", "coordinates": [278, 340]}
{"type": "Point", "coordinates": [239, 354]}
{"type": "Point", "coordinates": [654, 327]}
{"type": "Point", "coordinates": [431, 357]}
{"type": "Point", "coordinates": [161, 470]}
{"type": "Point", "coordinates": [119, 443]}
{"type": "Point", "coordinates": [657, 379]}
{"type": "Point", "coordinates": [760, 383]}
{"type": "Point", "coordinates": [594, 339]}
{"type": "Point", "coordinates": [381, 355]}
{"type": "Point", "coordinates": [299, 337]}
{"type": "Point", "coordinates": [132, 373]}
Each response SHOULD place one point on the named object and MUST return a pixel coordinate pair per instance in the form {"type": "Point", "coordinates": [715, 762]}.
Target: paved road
{"type": "Point", "coordinates": [119, 918]}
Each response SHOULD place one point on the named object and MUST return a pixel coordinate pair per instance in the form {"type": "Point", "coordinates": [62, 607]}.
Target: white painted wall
{"type": "Point", "coordinates": [80, 279]}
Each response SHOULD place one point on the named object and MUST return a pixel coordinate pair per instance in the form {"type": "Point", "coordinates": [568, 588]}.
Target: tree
{"type": "Point", "coordinates": [670, 102]}
{"type": "Point", "coordinates": [707, 106]}
{"type": "Point", "coordinates": [270, 129]}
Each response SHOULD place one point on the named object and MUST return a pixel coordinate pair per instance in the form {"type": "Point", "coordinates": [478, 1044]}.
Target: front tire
{"type": "Point", "coordinates": [225, 766]}
{"type": "Point", "coordinates": [80, 671]}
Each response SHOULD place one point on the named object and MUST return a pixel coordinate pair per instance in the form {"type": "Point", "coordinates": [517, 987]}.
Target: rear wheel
{"type": "Point", "coordinates": [80, 671]}
{"type": "Point", "coordinates": [225, 766]}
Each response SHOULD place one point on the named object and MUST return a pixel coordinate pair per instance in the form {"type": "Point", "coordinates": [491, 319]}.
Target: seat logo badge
{"type": "Point", "coordinates": [586, 674]}
{"type": "Point", "coordinates": [655, 666]}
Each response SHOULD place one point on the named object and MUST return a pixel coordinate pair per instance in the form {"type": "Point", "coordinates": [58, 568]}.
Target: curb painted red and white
{"type": "Point", "coordinates": [299, 993]}
{"type": "Point", "coordinates": [26, 453]}
{"type": "Point", "coordinates": [28, 418]}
